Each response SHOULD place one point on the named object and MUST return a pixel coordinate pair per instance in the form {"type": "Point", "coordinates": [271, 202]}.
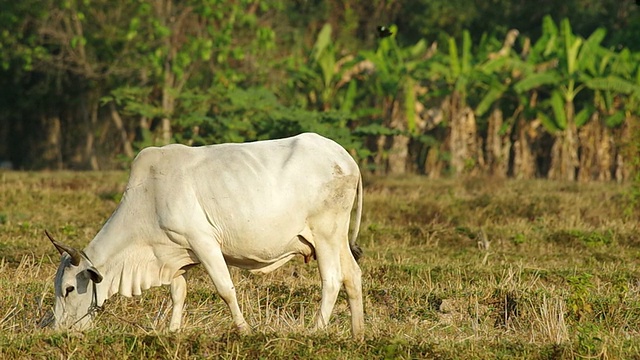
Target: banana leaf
{"type": "Point", "coordinates": [327, 64]}
{"type": "Point", "coordinates": [551, 45]}
{"type": "Point", "coordinates": [537, 80]}
{"type": "Point", "coordinates": [557, 105]}
{"type": "Point", "coordinates": [572, 45]}
{"type": "Point", "coordinates": [591, 52]}
{"type": "Point", "coordinates": [323, 40]}
{"type": "Point", "coordinates": [465, 65]}
{"type": "Point", "coordinates": [583, 116]}
{"type": "Point", "coordinates": [349, 97]}
{"type": "Point", "coordinates": [612, 83]}
{"type": "Point", "coordinates": [493, 65]}
{"type": "Point", "coordinates": [597, 36]}
{"type": "Point", "coordinates": [438, 70]}
{"type": "Point", "coordinates": [546, 44]}
{"type": "Point", "coordinates": [410, 104]}
{"type": "Point", "coordinates": [418, 49]}
{"type": "Point", "coordinates": [494, 93]}
{"type": "Point", "coordinates": [454, 61]}
{"type": "Point", "coordinates": [623, 64]}
{"type": "Point", "coordinates": [548, 124]}
{"type": "Point", "coordinates": [605, 60]}
{"type": "Point", "coordinates": [616, 119]}
{"type": "Point", "coordinates": [549, 26]}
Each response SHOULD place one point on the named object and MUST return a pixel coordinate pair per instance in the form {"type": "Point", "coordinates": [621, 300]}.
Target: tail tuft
{"type": "Point", "coordinates": [356, 251]}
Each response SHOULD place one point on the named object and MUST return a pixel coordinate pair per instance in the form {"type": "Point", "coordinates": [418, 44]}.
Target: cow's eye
{"type": "Point", "coordinates": [68, 290]}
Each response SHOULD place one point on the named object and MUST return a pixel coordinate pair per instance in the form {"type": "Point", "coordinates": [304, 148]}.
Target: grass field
{"type": "Point", "coordinates": [464, 269]}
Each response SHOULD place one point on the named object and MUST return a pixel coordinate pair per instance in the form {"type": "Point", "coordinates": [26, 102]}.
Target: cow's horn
{"type": "Point", "coordinates": [75, 254]}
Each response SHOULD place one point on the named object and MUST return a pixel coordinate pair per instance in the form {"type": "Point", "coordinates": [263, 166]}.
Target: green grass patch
{"type": "Point", "coordinates": [468, 269]}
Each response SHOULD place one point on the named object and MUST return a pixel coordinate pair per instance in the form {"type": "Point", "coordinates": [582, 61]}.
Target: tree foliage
{"type": "Point", "coordinates": [86, 80]}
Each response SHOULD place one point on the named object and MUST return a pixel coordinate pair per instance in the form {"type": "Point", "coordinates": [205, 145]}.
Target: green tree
{"type": "Point", "coordinates": [23, 97]}
{"type": "Point", "coordinates": [70, 45]}
{"type": "Point", "coordinates": [184, 48]}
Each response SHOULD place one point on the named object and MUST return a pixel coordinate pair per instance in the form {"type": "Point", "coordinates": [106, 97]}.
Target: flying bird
{"type": "Point", "coordinates": [384, 31]}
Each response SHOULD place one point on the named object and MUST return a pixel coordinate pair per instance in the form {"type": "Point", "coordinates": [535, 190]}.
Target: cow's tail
{"type": "Point", "coordinates": [355, 248]}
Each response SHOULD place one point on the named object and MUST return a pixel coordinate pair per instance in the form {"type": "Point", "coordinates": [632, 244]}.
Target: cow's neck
{"type": "Point", "coordinates": [133, 256]}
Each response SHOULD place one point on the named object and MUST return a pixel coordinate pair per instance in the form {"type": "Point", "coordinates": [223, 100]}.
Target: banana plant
{"type": "Point", "coordinates": [323, 56]}
{"type": "Point", "coordinates": [494, 93]}
{"type": "Point", "coordinates": [396, 74]}
{"type": "Point", "coordinates": [561, 83]}
{"type": "Point", "coordinates": [558, 74]}
{"type": "Point", "coordinates": [453, 70]}
{"type": "Point", "coordinates": [459, 79]}
{"type": "Point", "coordinates": [613, 78]}
{"type": "Point", "coordinates": [322, 76]}
{"type": "Point", "coordinates": [392, 83]}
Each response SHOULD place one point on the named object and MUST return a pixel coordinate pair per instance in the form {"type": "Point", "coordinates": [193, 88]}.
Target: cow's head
{"type": "Point", "coordinates": [76, 298]}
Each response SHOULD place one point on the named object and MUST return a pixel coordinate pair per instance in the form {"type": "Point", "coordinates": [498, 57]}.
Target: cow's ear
{"type": "Point", "coordinates": [94, 275]}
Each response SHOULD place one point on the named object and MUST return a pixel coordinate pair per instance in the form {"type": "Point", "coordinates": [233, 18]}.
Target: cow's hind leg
{"type": "Point", "coordinates": [337, 266]}
{"type": "Point", "coordinates": [331, 276]}
{"type": "Point", "coordinates": [178, 295]}
{"type": "Point", "coordinates": [352, 276]}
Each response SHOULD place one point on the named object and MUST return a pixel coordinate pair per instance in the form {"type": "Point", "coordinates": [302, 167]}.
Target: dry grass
{"type": "Point", "coordinates": [473, 268]}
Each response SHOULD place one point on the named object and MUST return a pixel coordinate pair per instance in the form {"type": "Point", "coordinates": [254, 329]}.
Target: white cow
{"type": "Point", "coordinates": [252, 205]}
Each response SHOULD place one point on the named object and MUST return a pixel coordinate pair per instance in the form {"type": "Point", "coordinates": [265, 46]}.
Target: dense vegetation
{"type": "Point", "coordinates": [507, 88]}
{"type": "Point", "coordinates": [453, 269]}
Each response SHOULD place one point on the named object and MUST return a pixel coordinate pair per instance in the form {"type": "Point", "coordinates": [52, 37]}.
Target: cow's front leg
{"type": "Point", "coordinates": [213, 261]}
{"type": "Point", "coordinates": [178, 295]}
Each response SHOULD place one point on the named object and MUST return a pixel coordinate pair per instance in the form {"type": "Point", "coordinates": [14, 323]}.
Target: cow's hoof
{"type": "Point", "coordinates": [244, 329]}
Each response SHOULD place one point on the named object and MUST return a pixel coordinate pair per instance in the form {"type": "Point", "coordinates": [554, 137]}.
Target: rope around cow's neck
{"type": "Point", "coordinates": [93, 307]}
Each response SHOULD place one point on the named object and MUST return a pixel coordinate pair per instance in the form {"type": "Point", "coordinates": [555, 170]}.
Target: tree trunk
{"type": "Point", "coordinates": [497, 147]}
{"type": "Point", "coordinates": [596, 158]}
{"type": "Point", "coordinates": [627, 148]}
{"type": "Point", "coordinates": [89, 111]}
{"type": "Point", "coordinates": [165, 13]}
{"type": "Point", "coordinates": [124, 137]}
{"type": "Point", "coordinates": [52, 153]}
{"type": "Point", "coordinates": [168, 104]}
{"type": "Point", "coordinates": [524, 164]}
{"type": "Point", "coordinates": [428, 154]}
{"type": "Point", "coordinates": [564, 153]}
{"type": "Point", "coordinates": [398, 155]}
{"type": "Point", "coordinates": [5, 144]}
{"type": "Point", "coordinates": [433, 163]}
{"type": "Point", "coordinates": [380, 159]}
{"type": "Point", "coordinates": [605, 153]}
{"type": "Point", "coordinates": [399, 144]}
{"type": "Point", "coordinates": [463, 138]}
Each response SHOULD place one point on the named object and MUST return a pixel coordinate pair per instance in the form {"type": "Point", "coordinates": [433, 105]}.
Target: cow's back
{"type": "Point", "coordinates": [307, 150]}
{"type": "Point", "coordinates": [265, 189]}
